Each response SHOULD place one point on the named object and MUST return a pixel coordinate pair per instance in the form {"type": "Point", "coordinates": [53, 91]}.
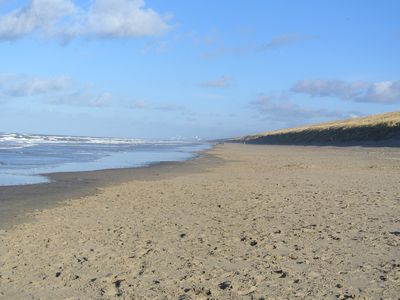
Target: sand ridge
{"type": "Point", "coordinates": [272, 222]}
{"type": "Point", "coordinates": [381, 129]}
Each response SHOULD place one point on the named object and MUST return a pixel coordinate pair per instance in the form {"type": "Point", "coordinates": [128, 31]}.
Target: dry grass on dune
{"type": "Point", "coordinates": [372, 128]}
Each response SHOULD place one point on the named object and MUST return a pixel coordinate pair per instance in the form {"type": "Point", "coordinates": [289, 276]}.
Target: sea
{"type": "Point", "coordinates": [27, 158]}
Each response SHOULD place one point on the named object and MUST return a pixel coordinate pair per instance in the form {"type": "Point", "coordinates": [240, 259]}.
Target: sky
{"type": "Point", "coordinates": [159, 69]}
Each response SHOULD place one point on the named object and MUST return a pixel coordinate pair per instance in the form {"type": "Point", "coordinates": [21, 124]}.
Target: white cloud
{"type": "Point", "coordinates": [382, 92]}
{"type": "Point", "coordinates": [222, 82]}
{"type": "Point", "coordinates": [39, 15]}
{"type": "Point", "coordinates": [65, 19]}
{"type": "Point", "coordinates": [386, 92]}
{"type": "Point", "coordinates": [123, 18]}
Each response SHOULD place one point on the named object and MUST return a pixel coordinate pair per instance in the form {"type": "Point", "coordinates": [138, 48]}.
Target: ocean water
{"type": "Point", "coordinates": [25, 158]}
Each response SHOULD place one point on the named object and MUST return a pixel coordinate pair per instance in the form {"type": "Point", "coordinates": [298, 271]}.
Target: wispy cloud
{"type": "Point", "coordinates": [277, 107]}
{"type": "Point", "coordinates": [328, 88]}
{"type": "Point", "coordinates": [64, 19]}
{"type": "Point", "coordinates": [223, 50]}
{"type": "Point", "coordinates": [52, 90]}
{"type": "Point", "coordinates": [385, 92]}
{"type": "Point", "coordinates": [82, 97]}
{"type": "Point", "coordinates": [219, 83]}
{"type": "Point", "coordinates": [148, 105]}
{"type": "Point", "coordinates": [25, 86]}
{"type": "Point", "coordinates": [167, 109]}
{"type": "Point", "coordinates": [218, 48]}
{"type": "Point", "coordinates": [287, 40]}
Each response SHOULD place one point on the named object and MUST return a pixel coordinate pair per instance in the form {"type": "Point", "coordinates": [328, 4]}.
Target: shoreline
{"type": "Point", "coordinates": [18, 201]}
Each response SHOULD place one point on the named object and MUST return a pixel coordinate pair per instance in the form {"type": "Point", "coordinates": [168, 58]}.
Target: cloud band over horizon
{"type": "Point", "coordinates": [385, 92]}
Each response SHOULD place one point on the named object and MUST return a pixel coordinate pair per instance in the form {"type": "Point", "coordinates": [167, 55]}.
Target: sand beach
{"type": "Point", "coordinates": [239, 222]}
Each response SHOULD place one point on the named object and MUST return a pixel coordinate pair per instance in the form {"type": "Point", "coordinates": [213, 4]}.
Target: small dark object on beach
{"type": "Point", "coordinates": [396, 233]}
{"type": "Point", "coordinates": [58, 274]}
{"type": "Point", "coordinates": [182, 235]}
{"type": "Point", "coordinates": [186, 290]}
{"type": "Point", "coordinates": [253, 243]}
{"type": "Point", "coordinates": [296, 280]}
{"type": "Point", "coordinates": [117, 283]}
{"type": "Point", "coordinates": [224, 285]}
{"type": "Point", "coordinates": [283, 274]}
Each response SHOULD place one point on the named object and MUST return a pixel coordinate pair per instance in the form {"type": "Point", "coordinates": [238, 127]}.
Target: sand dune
{"type": "Point", "coordinates": [384, 129]}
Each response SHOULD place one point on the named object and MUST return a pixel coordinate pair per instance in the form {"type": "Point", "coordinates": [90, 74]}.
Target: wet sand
{"type": "Point", "coordinates": [241, 222]}
{"type": "Point", "coordinates": [16, 202]}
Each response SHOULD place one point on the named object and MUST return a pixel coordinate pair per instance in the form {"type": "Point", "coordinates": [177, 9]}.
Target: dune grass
{"type": "Point", "coordinates": [376, 128]}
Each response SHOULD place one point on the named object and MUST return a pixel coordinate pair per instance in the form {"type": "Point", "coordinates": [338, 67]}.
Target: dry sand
{"type": "Point", "coordinates": [270, 222]}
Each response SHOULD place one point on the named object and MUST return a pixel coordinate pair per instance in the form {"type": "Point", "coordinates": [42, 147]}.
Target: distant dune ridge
{"type": "Point", "coordinates": [381, 129]}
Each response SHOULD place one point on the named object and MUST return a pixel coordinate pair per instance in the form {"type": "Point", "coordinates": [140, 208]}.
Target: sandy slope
{"type": "Point", "coordinates": [384, 128]}
{"type": "Point", "coordinates": [271, 222]}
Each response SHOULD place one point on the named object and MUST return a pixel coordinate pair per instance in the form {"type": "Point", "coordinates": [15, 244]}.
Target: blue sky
{"type": "Point", "coordinates": [163, 69]}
